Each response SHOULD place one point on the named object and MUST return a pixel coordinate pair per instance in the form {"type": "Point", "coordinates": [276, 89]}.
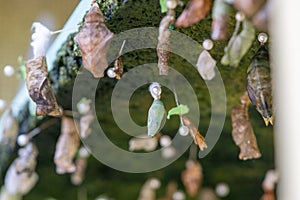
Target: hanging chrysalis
{"type": "Point", "coordinates": [143, 142]}
{"type": "Point", "coordinates": [170, 191]}
{"type": "Point", "coordinates": [249, 7]}
{"type": "Point", "coordinates": [81, 163]}
{"type": "Point", "coordinates": [39, 87]}
{"type": "Point", "coordinates": [268, 185]}
{"type": "Point", "coordinates": [198, 138]}
{"type": "Point", "coordinates": [148, 189]}
{"type": "Point", "coordinates": [93, 40]}
{"type": "Point", "coordinates": [242, 131]}
{"type": "Point", "coordinates": [66, 146]}
{"type": "Point", "coordinates": [239, 44]}
{"type": "Point", "coordinates": [117, 70]}
{"type": "Point", "coordinates": [21, 176]}
{"type": "Point", "coordinates": [193, 13]}
{"type": "Point", "coordinates": [157, 112]}
{"type": "Point", "coordinates": [192, 177]}
{"type": "Point", "coordinates": [163, 46]}
{"type": "Point", "coordinates": [87, 117]}
{"type": "Point", "coordinates": [8, 133]}
{"type": "Point", "coordinates": [206, 64]}
{"type": "Point", "coordinates": [259, 85]}
{"type": "Point", "coordinates": [220, 14]}
{"type": "Point", "coordinates": [261, 19]}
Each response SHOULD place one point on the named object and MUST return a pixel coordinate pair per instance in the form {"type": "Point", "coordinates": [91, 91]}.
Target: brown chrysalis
{"type": "Point", "coordinates": [78, 176]}
{"type": "Point", "coordinates": [192, 177]}
{"type": "Point", "coordinates": [66, 146]}
{"type": "Point", "coordinates": [21, 177]}
{"type": "Point", "coordinates": [163, 46]}
{"type": "Point", "coordinates": [193, 13]}
{"type": "Point", "coordinates": [93, 40]}
{"type": "Point", "coordinates": [242, 131]}
{"type": "Point", "coordinates": [220, 16]}
{"type": "Point", "coordinates": [198, 138]}
{"type": "Point", "coordinates": [40, 89]}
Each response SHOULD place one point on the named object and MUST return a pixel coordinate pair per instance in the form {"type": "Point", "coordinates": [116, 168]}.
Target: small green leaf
{"type": "Point", "coordinates": [163, 6]}
{"type": "Point", "coordinates": [179, 110]}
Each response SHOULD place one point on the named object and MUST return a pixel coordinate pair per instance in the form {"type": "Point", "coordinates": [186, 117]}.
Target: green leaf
{"type": "Point", "coordinates": [179, 110]}
{"type": "Point", "coordinates": [163, 6]}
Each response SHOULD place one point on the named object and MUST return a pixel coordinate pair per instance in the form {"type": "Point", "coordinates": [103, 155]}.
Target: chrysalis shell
{"type": "Point", "coordinates": [94, 39]}
{"type": "Point", "coordinates": [206, 65]}
{"type": "Point", "coordinates": [242, 131]}
{"type": "Point", "coordinates": [21, 176]}
{"type": "Point", "coordinates": [163, 46]}
{"type": "Point", "coordinates": [40, 89]}
{"type": "Point", "coordinates": [66, 146]}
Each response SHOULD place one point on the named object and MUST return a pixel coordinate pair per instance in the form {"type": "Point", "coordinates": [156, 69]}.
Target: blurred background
{"type": "Point", "coordinates": [16, 18]}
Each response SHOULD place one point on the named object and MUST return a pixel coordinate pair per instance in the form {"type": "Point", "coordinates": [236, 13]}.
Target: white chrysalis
{"type": "Point", "coordinates": [206, 65]}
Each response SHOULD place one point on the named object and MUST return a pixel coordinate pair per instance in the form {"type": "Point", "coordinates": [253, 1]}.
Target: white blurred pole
{"type": "Point", "coordinates": [285, 36]}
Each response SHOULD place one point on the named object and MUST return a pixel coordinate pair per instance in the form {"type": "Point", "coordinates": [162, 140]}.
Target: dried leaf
{"type": "Point", "coordinates": [163, 46]}
{"type": "Point", "coordinates": [192, 177]}
{"type": "Point", "coordinates": [220, 14]}
{"type": "Point", "coordinates": [93, 40]}
{"type": "Point", "coordinates": [242, 132]}
{"type": "Point", "coordinates": [21, 176]}
{"type": "Point", "coordinates": [198, 138]}
{"type": "Point", "coordinates": [118, 65]}
{"type": "Point", "coordinates": [143, 142]}
{"type": "Point", "coordinates": [40, 89]}
{"type": "Point", "coordinates": [66, 146]}
{"type": "Point", "coordinates": [206, 65]}
{"type": "Point", "coordinates": [249, 7]}
{"type": "Point", "coordinates": [239, 45]}
{"type": "Point", "coordinates": [194, 12]}
{"type": "Point", "coordinates": [259, 84]}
